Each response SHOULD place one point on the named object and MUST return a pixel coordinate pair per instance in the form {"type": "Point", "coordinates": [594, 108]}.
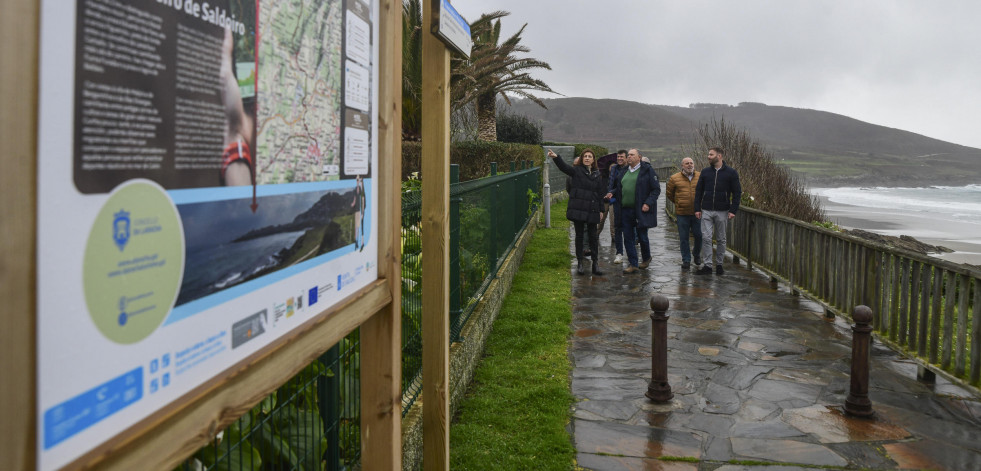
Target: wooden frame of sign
{"type": "Point", "coordinates": [176, 431]}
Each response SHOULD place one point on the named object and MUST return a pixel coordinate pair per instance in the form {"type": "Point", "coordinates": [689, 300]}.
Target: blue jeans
{"type": "Point", "coordinates": [618, 231]}
{"type": "Point", "coordinates": [688, 225]}
{"type": "Point", "coordinates": [629, 225]}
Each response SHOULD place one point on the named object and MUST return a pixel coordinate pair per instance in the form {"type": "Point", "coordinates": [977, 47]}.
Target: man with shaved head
{"type": "Point", "coordinates": [681, 191]}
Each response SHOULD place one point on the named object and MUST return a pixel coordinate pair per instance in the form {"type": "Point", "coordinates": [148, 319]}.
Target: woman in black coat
{"type": "Point", "coordinates": [585, 203]}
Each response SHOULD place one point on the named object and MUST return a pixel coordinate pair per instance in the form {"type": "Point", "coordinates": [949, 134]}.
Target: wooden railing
{"type": "Point", "coordinates": [663, 173]}
{"type": "Point", "coordinates": [922, 305]}
{"type": "Point", "coordinates": [928, 307]}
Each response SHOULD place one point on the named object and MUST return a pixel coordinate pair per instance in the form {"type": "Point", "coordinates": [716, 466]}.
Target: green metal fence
{"type": "Point", "coordinates": [486, 216]}
{"type": "Point", "coordinates": [313, 421]}
{"type": "Point", "coordinates": [310, 423]}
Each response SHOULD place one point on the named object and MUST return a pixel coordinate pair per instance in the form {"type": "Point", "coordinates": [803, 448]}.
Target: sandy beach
{"type": "Point", "coordinates": [944, 228]}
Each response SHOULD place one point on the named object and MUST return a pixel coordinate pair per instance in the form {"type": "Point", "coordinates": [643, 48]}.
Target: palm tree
{"type": "Point", "coordinates": [495, 69]}
{"type": "Point", "coordinates": [411, 69]}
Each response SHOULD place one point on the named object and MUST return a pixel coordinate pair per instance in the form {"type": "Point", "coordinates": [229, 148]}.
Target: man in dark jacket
{"type": "Point", "coordinates": [616, 233]}
{"type": "Point", "coordinates": [605, 164]}
{"type": "Point", "coordinates": [716, 202]}
{"type": "Point", "coordinates": [636, 192]}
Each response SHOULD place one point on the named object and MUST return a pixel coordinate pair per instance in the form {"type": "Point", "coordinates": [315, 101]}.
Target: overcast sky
{"type": "Point", "coordinates": [912, 65]}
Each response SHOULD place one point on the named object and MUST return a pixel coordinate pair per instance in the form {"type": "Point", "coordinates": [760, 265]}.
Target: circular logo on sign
{"type": "Point", "coordinates": [134, 261]}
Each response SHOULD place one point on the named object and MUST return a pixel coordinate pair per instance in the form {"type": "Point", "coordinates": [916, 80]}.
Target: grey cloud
{"type": "Point", "coordinates": [905, 64]}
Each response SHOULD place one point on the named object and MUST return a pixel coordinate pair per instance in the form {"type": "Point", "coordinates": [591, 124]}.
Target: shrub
{"type": "Point", "coordinates": [518, 128]}
{"type": "Point", "coordinates": [475, 234]}
{"type": "Point", "coordinates": [827, 225]}
{"type": "Point", "coordinates": [773, 188]}
{"type": "Point", "coordinates": [474, 157]}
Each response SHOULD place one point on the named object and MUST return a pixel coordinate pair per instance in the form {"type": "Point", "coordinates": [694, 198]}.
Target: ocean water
{"type": "Point", "coordinates": [958, 203]}
{"type": "Point", "coordinates": [940, 215]}
{"type": "Point", "coordinates": [213, 268]}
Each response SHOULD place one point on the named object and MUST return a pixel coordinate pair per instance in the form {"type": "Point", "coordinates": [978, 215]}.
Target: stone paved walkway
{"type": "Point", "coordinates": [759, 376]}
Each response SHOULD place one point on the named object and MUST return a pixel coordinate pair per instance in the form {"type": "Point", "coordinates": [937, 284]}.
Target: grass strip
{"type": "Point", "coordinates": [515, 413]}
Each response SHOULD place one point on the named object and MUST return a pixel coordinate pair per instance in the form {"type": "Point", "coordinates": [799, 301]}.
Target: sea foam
{"type": "Point", "coordinates": [960, 203]}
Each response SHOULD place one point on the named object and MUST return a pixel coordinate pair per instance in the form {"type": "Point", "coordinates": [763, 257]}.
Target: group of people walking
{"type": "Point", "coordinates": [704, 203]}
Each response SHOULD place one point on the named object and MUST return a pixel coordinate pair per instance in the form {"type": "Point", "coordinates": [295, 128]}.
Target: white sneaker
{"type": "Point", "coordinates": [618, 259]}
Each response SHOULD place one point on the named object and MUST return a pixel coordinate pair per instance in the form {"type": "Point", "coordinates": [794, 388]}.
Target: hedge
{"type": "Point", "coordinates": [598, 151]}
{"type": "Point", "coordinates": [474, 157]}
{"type": "Point", "coordinates": [518, 128]}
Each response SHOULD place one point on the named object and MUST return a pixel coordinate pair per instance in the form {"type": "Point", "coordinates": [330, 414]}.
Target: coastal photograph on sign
{"type": "Point", "coordinates": [227, 246]}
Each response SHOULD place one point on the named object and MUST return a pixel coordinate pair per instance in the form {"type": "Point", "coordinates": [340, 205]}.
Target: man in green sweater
{"type": "Point", "coordinates": [636, 191]}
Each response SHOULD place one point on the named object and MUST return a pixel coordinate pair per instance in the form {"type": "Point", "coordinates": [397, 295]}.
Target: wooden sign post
{"type": "Point", "coordinates": [18, 200]}
{"type": "Point", "coordinates": [381, 335]}
{"type": "Point", "coordinates": [435, 246]}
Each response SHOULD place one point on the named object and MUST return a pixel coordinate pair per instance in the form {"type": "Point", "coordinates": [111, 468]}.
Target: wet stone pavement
{"type": "Point", "coordinates": [759, 378]}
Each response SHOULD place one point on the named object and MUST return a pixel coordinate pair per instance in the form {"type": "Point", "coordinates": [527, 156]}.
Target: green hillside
{"type": "Point", "coordinates": [827, 148]}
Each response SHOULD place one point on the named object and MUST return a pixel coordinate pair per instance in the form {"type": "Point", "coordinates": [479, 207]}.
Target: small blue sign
{"type": "Point", "coordinates": [312, 296]}
{"type": "Point", "coordinates": [81, 412]}
{"type": "Point", "coordinates": [165, 360]}
{"type": "Point", "coordinates": [165, 380]}
{"type": "Point", "coordinates": [154, 366]}
{"type": "Point", "coordinates": [453, 29]}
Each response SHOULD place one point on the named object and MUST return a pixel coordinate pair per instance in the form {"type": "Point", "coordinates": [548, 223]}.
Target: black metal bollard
{"type": "Point", "coordinates": [659, 390]}
{"type": "Point", "coordinates": [857, 403]}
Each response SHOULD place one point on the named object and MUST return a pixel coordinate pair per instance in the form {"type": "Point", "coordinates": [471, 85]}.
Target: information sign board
{"type": "Point", "coordinates": [205, 186]}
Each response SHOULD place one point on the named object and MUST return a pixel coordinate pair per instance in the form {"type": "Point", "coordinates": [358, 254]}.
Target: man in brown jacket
{"type": "Point", "coordinates": [681, 192]}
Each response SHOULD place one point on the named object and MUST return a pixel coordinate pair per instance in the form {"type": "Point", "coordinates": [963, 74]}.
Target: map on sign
{"type": "Point", "coordinates": [298, 125]}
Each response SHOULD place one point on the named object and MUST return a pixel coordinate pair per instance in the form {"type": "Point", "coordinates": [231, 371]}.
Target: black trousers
{"type": "Point", "coordinates": [581, 228]}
